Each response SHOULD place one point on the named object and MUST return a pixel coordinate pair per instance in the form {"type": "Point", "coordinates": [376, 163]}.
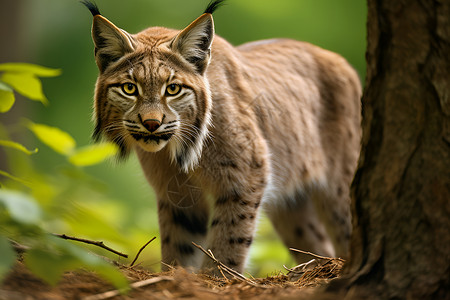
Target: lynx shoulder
{"type": "Point", "coordinates": [271, 125]}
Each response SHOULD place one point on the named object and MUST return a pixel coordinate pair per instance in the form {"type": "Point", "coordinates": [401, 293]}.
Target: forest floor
{"type": "Point", "coordinates": [175, 284]}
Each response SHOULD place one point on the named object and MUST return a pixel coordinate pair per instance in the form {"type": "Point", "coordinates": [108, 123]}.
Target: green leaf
{"type": "Point", "coordinates": [5, 87]}
{"type": "Point", "coordinates": [6, 97]}
{"type": "Point", "coordinates": [7, 258]}
{"type": "Point", "coordinates": [50, 266]}
{"type": "Point", "coordinates": [29, 68]}
{"type": "Point", "coordinates": [21, 207]}
{"type": "Point", "coordinates": [113, 275]}
{"type": "Point", "coordinates": [26, 84]}
{"type": "Point", "coordinates": [97, 264]}
{"type": "Point", "coordinates": [17, 146]}
{"type": "Point", "coordinates": [55, 138]}
{"type": "Point", "coordinates": [93, 154]}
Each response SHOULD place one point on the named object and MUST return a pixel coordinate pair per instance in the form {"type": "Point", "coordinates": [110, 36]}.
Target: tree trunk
{"type": "Point", "coordinates": [401, 192]}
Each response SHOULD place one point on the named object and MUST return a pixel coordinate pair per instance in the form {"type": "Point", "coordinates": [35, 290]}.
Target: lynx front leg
{"type": "Point", "coordinates": [183, 218]}
{"type": "Point", "coordinates": [237, 176]}
{"type": "Point", "coordinates": [179, 227]}
{"type": "Point", "coordinates": [232, 229]}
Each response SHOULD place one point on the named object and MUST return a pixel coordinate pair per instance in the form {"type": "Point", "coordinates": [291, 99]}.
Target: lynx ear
{"type": "Point", "coordinates": [194, 42]}
{"type": "Point", "coordinates": [111, 42]}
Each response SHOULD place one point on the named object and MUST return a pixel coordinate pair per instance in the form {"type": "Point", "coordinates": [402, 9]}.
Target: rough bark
{"type": "Point", "coordinates": [401, 192]}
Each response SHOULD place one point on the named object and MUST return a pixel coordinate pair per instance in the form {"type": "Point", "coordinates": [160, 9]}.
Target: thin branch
{"type": "Point", "coordinates": [218, 267]}
{"type": "Point", "coordinates": [19, 248]}
{"type": "Point", "coordinates": [288, 269]}
{"type": "Point", "coordinates": [96, 243]}
{"type": "Point", "coordinates": [167, 265]}
{"type": "Point", "coordinates": [229, 270]}
{"type": "Point", "coordinates": [315, 255]}
{"type": "Point", "coordinates": [140, 250]}
{"type": "Point", "coordinates": [134, 285]}
{"type": "Point", "coordinates": [223, 275]}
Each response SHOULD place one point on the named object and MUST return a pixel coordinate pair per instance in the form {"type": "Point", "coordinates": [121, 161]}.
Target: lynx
{"type": "Point", "coordinates": [223, 131]}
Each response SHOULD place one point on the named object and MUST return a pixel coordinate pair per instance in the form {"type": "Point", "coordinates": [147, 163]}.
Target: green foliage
{"type": "Point", "coordinates": [21, 208]}
{"type": "Point", "coordinates": [26, 84]}
{"type": "Point", "coordinates": [63, 143]}
{"type": "Point", "coordinates": [6, 97]}
{"type": "Point", "coordinates": [65, 257]}
{"type": "Point", "coordinates": [8, 256]}
{"type": "Point", "coordinates": [55, 138]}
{"type": "Point", "coordinates": [34, 204]}
{"type": "Point", "coordinates": [24, 68]}
{"type": "Point", "coordinates": [17, 146]}
{"type": "Point", "coordinates": [92, 154]}
{"type": "Point", "coordinates": [24, 79]}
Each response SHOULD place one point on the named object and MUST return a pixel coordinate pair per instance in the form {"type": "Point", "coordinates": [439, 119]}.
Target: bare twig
{"type": "Point", "coordinates": [288, 269]}
{"type": "Point", "coordinates": [96, 243]}
{"type": "Point", "coordinates": [218, 266]}
{"type": "Point", "coordinates": [223, 275]}
{"type": "Point", "coordinates": [167, 265]}
{"type": "Point", "coordinates": [140, 250]}
{"type": "Point", "coordinates": [314, 255]}
{"type": "Point", "coordinates": [19, 248]}
{"type": "Point", "coordinates": [134, 285]}
{"type": "Point", "coordinates": [227, 269]}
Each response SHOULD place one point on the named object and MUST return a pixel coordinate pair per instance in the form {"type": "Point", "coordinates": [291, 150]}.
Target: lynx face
{"type": "Point", "coordinates": [153, 93]}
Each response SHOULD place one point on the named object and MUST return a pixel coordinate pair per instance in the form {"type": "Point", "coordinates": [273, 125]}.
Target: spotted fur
{"type": "Point", "coordinates": [272, 124]}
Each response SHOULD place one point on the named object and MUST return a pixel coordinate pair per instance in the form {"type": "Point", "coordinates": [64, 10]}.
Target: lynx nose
{"type": "Point", "coordinates": [151, 124]}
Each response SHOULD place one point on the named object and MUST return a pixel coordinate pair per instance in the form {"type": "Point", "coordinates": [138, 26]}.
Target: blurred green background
{"type": "Point", "coordinates": [56, 33]}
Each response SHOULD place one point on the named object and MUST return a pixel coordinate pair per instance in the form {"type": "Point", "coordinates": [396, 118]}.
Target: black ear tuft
{"type": "Point", "coordinates": [194, 42]}
{"type": "Point", "coordinates": [92, 7]}
{"type": "Point", "coordinates": [213, 5]}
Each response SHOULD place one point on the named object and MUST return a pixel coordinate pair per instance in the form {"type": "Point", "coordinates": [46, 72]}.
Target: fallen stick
{"type": "Point", "coordinates": [19, 248]}
{"type": "Point", "coordinates": [167, 265]}
{"type": "Point", "coordinates": [96, 243]}
{"type": "Point", "coordinates": [315, 255]}
{"type": "Point", "coordinates": [140, 250]}
{"type": "Point", "coordinates": [134, 285]}
{"type": "Point", "coordinates": [227, 269]}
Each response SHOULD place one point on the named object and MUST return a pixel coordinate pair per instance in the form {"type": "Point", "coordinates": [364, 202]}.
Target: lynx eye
{"type": "Point", "coordinates": [173, 89]}
{"type": "Point", "coordinates": [129, 88]}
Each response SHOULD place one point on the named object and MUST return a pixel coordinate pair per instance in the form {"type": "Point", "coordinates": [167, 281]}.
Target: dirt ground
{"type": "Point", "coordinates": [300, 283]}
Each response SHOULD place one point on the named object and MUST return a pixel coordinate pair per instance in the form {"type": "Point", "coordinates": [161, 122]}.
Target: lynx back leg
{"type": "Point", "coordinates": [333, 208]}
{"type": "Point", "coordinates": [297, 223]}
